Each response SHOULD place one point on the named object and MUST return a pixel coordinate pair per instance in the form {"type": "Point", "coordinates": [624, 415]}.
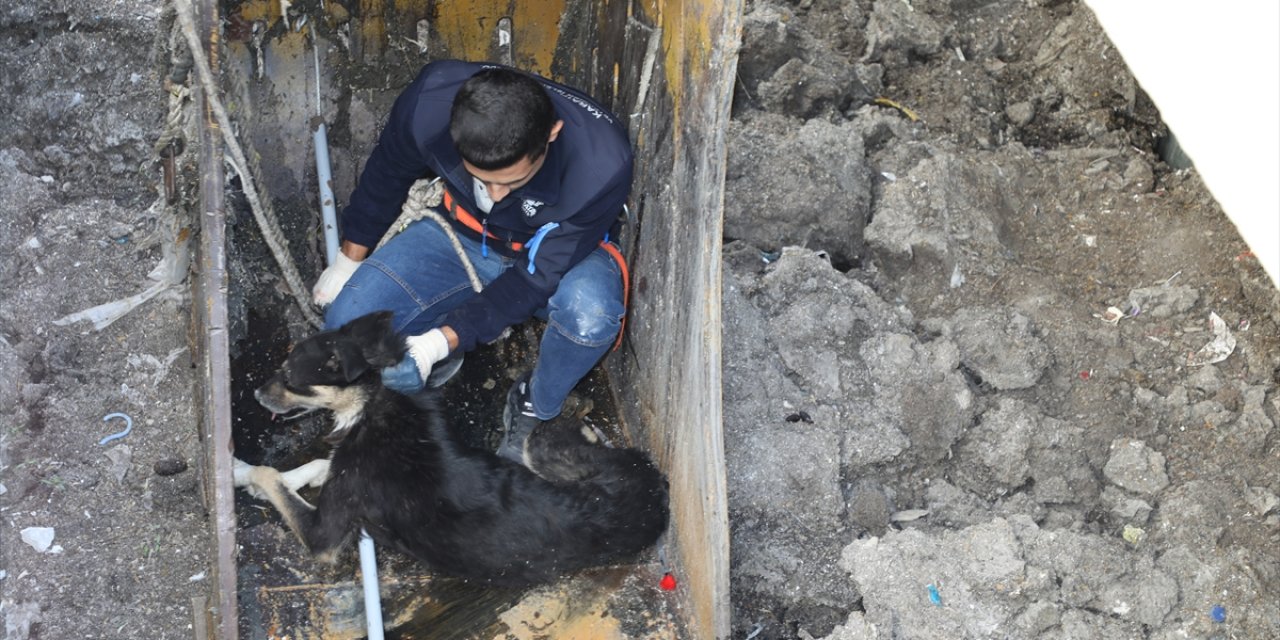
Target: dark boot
{"type": "Point", "coordinates": [518, 421]}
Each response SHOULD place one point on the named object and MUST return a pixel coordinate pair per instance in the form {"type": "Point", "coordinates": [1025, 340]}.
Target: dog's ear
{"type": "Point", "coordinates": [377, 341]}
{"type": "Point", "coordinates": [349, 358]}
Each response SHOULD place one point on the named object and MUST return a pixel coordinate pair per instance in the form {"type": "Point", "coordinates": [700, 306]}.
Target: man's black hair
{"type": "Point", "coordinates": [501, 117]}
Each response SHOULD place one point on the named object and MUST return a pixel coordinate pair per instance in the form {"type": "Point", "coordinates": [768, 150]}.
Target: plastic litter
{"type": "Point", "coordinates": [40, 539]}
{"type": "Point", "coordinates": [1218, 613]}
{"type": "Point", "coordinates": [167, 274]}
{"type": "Point", "coordinates": [115, 436]}
{"type": "Point", "coordinates": [934, 596]}
{"type": "Point", "coordinates": [668, 581]}
{"type": "Point", "coordinates": [1217, 350]}
{"type": "Point", "coordinates": [1112, 315]}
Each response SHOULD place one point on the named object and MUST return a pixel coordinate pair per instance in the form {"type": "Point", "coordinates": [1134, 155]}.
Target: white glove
{"type": "Point", "coordinates": [410, 375]}
{"type": "Point", "coordinates": [332, 280]}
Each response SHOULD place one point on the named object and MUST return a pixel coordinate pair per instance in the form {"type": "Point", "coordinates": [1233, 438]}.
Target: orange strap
{"type": "Point", "coordinates": [469, 221]}
{"type": "Point", "coordinates": [613, 251]}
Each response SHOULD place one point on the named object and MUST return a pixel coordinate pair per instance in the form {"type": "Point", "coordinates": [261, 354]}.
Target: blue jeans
{"type": "Point", "coordinates": [418, 277]}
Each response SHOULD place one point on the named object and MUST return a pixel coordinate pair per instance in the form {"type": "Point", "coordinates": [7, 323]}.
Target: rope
{"type": "Point", "coordinates": [176, 122]}
{"type": "Point", "coordinates": [424, 197]}
{"type": "Point", "coordinates": [262, 212]}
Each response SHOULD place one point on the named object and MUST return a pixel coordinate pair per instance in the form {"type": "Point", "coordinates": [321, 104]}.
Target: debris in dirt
{"type": "Point", "coordinates": [934, 596]}
{"type": "Point", "coordinates": [1218, 613]}
{"type": "Point", "coordinates": [668, 582]}
{"type": "Point", "coordinates": [908, 515]}
{"type": "Point", "coordinates": [19, 617]}
{"type": "Point", "coordinates": [168, 274]}
{"type": "Point", "coordinates": [1112, 315]}
{"type": "Point", "coordinates": [1133, 535]}
{"type": "Point", "coordinates": [128, 422]}
{"type": "Point", "coordinates": [1217, 350]}
{"type": "Point", "coordinates": [885, 102]}
{"type": "Point", "coordinates": [197, 577]}
{"type": "Point", "coordinates": [121, 458]}
{"type": "Point", "coordinates": [800, 416]}
{"type": "Point", "coordinates": [40, 539]}
{"type": "Point", "coordinates": [169, 466]}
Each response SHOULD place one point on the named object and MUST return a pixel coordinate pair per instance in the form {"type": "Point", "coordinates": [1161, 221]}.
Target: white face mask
{"type": "Point", "coordinates": [483, 201]}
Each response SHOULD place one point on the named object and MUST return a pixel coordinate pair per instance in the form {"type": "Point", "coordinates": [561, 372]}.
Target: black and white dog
{"type": "Point", "coordinates": [398, 471]}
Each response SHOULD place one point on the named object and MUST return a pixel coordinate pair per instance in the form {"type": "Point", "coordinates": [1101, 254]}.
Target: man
{"type": "Point", "coordinates": [535, 174]}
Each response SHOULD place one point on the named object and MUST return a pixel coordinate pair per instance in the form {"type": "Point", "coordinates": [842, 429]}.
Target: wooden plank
{"type": "Point", "coordinates": [670, 372]}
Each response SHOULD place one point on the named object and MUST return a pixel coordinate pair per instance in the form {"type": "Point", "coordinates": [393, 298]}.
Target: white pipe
{"type": "Point", "coordinates": [323, 174]}
{"type": "Point", "coordinates": [327, 210]}
{"type": "Point", "coordinates": [369, 579]}
{"type": "Point", "coordinates": [368, 557]}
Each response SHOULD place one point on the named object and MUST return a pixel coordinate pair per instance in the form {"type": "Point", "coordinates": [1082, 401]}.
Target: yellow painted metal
{"type": "Point", "coordinates": [466, 29]}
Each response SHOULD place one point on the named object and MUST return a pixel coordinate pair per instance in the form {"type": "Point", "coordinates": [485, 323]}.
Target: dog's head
{"type": "Point", "coordinates": [336, 369]}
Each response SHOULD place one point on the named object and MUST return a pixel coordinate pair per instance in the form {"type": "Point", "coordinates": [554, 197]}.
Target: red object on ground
{"type": "Point", "coordinates": [668, 582]}
{"type": "Point", "coordinates": [1084, 375]}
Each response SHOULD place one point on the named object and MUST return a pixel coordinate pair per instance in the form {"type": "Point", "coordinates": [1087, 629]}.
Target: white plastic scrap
{"type": "Point", "coordinates": [167, 274]}
{"type": "Point", "coordinates": [1111, 316]}
{"type": "Point", "coordinates": [1217, 350]}
{"type": "Point", "coordinates": [40, 539]}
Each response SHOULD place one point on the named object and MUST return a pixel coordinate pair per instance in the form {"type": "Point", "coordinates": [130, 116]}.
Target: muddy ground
{"type": "Point", "coordinates": [935, 424]}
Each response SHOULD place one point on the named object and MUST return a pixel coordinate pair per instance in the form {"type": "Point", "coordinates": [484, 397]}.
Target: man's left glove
{"type": "Point", "coordinates": [332, 279]}
{"type": "Point", "coordinates": [410, 375]}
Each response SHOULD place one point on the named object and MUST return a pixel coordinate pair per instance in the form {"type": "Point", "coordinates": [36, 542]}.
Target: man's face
{"type": "Point", "coordinates": [501, 182]}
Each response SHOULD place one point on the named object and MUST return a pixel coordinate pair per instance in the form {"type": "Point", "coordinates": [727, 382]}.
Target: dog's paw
{"type": "Point", "coordinates": [240, 473]}
{"type": "Point", "coordinates": [251, 478]}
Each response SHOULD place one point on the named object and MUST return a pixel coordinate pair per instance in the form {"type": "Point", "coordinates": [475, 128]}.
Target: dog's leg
{"type": "Point", "coordinates": [311, 474]}
{"type": "Point", "coordinates": [324, 532]}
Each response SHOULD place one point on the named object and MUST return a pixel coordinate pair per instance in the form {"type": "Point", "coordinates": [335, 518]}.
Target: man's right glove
{"type": "Point", "coordinates": [332, 280]}
{"type": "Point", "coordinates": [410, 375]}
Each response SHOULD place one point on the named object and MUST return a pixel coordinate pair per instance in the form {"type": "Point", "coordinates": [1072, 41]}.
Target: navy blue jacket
{"type": "Point", "coordinates": [581, 187]}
